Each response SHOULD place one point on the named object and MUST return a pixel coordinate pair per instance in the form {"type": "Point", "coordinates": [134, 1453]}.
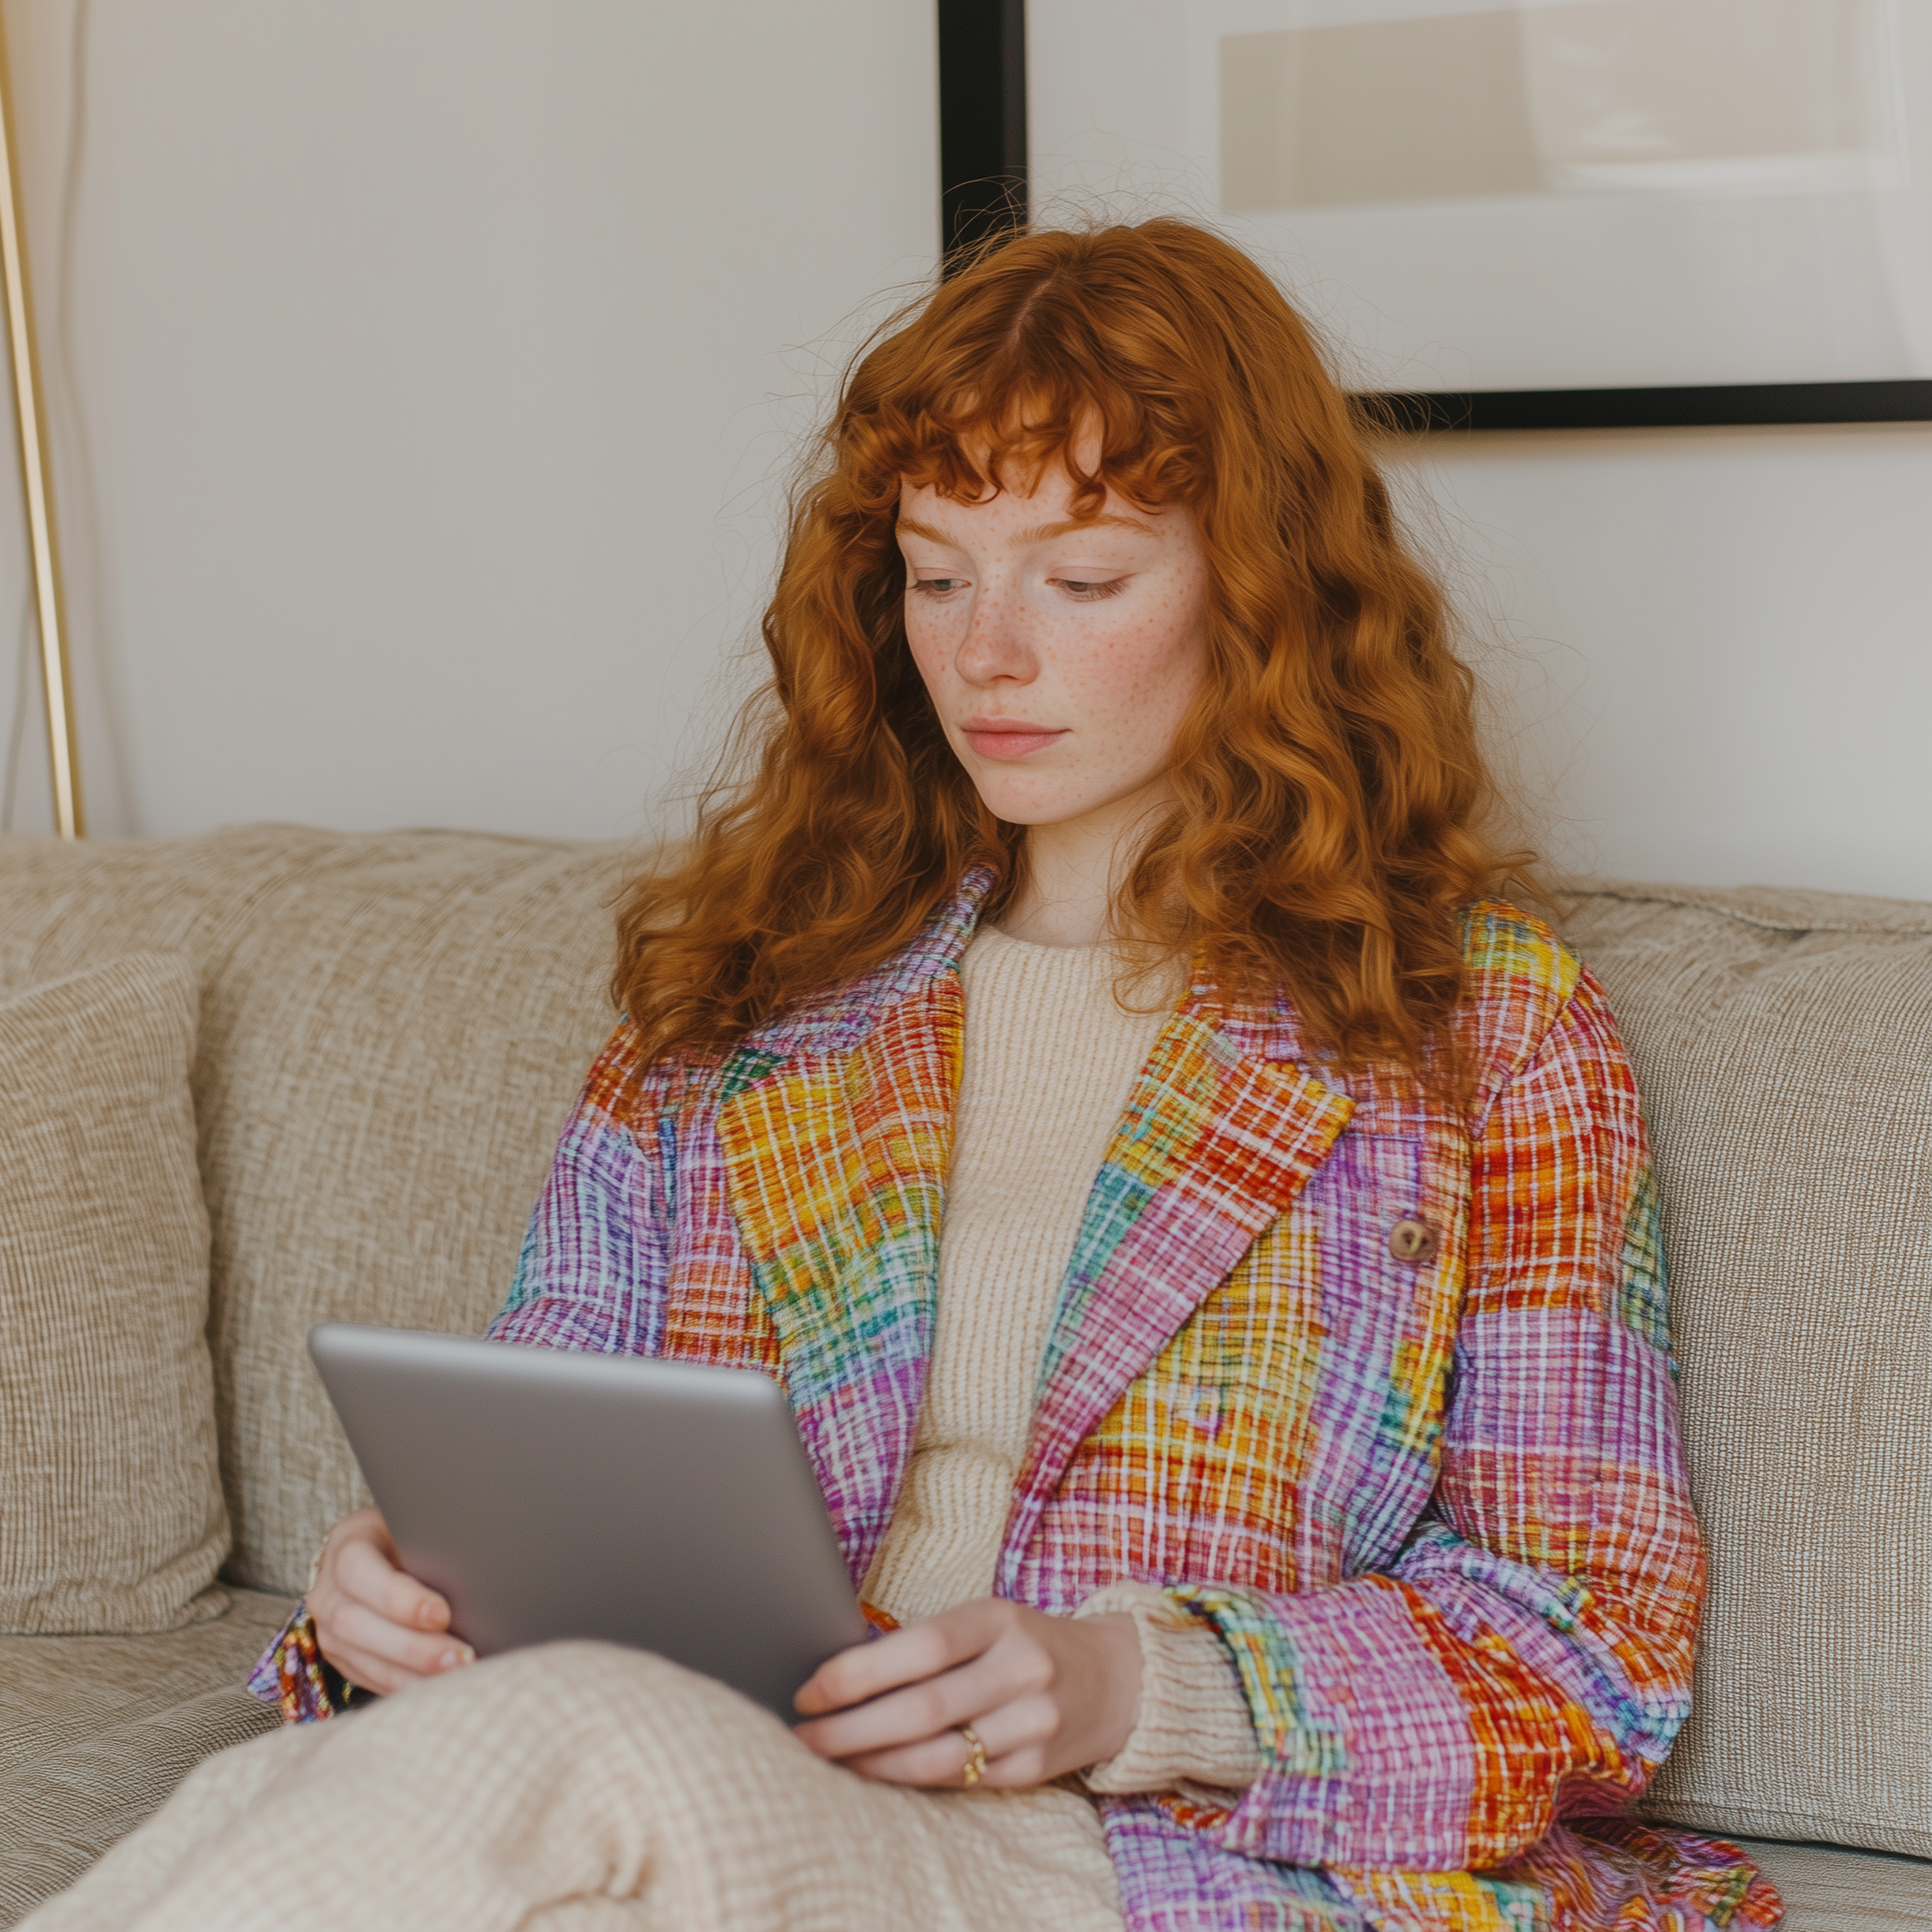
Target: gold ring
{"type": "Point", "coordinates": [975, 1767]}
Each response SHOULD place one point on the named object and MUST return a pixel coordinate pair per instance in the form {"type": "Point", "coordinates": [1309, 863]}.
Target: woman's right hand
{"type": "Point", "coordinates": [373, 1621]}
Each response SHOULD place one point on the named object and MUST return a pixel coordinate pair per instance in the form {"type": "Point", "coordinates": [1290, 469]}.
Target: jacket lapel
{"type": "Point", "coordinates": [836, 1133]}
{"type": "Point", "coordinates": [835, 1155]}
{"type": "Point", "coordinates": [1218, 1138]}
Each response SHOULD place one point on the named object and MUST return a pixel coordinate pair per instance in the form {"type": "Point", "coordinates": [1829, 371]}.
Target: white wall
{"type": "Point", "coordinates": [435, 360]}
{"type": "Point", "coordinates": [435, 355]}
{"type": "Point", "coordinates": [1717, 644]}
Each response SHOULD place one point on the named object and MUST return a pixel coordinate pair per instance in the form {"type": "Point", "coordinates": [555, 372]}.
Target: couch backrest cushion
{"type": "Point", "coordinates": [1783, 1042]}
{"type": "Point", "coordinates": [392, 1028]}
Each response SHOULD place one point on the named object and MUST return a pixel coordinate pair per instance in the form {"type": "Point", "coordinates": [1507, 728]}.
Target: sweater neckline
{"type": "Point", "coordinates": [992, 935]}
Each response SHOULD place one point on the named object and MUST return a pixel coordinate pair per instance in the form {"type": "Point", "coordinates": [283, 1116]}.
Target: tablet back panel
{"type": "Point", "coordinates": [550, 1494]}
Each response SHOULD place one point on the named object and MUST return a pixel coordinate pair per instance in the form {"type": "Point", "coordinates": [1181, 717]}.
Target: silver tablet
{"type": "Point", "coordinates": [551, 1495]}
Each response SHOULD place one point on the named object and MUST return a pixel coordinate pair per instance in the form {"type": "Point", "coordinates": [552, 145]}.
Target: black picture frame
{"type": "Point", "coordinates": [984, 192]}
{"type": "Point", "coordinates": [1707, 406]}
{"type": "Point", "coordinates": [983, 174]}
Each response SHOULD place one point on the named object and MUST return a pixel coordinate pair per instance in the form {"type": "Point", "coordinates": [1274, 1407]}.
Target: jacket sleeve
{"type": "Point", "coordinates": [595, 1262]}
{"type": "Point", "coordinates": [1528, 1651]}
{"type": "Point", "coordinates": [591, 1275]}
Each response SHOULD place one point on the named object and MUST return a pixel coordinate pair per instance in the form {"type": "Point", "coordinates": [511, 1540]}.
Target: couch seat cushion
{"type": "Point", "coordinates": [96, 1731]}
{"type": "Point", "coordinates": [1826, 1890]}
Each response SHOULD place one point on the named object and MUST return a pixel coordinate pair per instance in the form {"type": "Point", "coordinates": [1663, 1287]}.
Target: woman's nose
{"type": "Point", "coordinates": [995, 643]}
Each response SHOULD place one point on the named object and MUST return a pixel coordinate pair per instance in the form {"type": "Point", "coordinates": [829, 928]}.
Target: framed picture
{"type": "Point", "coordinates": [1551, 213]}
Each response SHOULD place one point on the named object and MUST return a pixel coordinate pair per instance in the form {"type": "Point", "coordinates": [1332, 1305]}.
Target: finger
{"type": "Point", "coordinates": [421, 1654]}
{"type": "Point", "coordinates": [366, 1522]}
{"type": "Point", "coordinates": [1015, 1737]}
{"type": "Point", "coordinates": [369, 1670]}
{"type": "Point", "coordinates": [919, 1651]}
{"type": "Point", "coordinates": [364, 1526]}
{"type": "Point", "coordinates": [365, 1575]}
{"type": "Point", "coordinates": [366, 1673]}
{"type": "Point", "coordinates": [940, 1761]}
{"type": "Point", "coordinates": [915, 1711]}
{"type": "Point", "coordinates": [902, 1657]}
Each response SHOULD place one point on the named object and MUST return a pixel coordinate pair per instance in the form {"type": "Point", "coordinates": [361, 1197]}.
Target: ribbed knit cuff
{"type": "Point", "coordinates": [1193, 1723]}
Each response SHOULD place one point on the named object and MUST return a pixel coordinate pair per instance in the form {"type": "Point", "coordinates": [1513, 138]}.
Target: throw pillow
{"type": "Point", "coordinates": [1783, 1044]}
{"type": "Point", "coordinates": [111, 1516]}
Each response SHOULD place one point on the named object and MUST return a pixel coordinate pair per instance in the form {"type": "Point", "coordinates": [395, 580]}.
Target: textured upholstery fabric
{"type": "Point", "coordinates": [109, 1495]}
{"type": "Point", "coordinates": [1782, 1043]}
{"type": "Point", "coordinates": [1825, 1890]}
{"type": "Point", "coordinates": [394, 1027]}
{"type": "Point", "coordinates": [82, 1763]}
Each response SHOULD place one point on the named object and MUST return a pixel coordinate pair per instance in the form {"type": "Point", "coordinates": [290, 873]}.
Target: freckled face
{"type": "Point", "coordinates": [1061, 654]}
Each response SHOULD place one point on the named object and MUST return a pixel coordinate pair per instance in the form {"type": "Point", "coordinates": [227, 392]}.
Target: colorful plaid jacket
{"type": "Point", "coordinates": [1427, 1486]}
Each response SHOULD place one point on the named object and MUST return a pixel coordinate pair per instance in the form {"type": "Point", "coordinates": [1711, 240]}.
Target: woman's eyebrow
{"type": "Point", "coordinates": [1045, 533]}
{"type": "Point", "coordinates": [913, 528]}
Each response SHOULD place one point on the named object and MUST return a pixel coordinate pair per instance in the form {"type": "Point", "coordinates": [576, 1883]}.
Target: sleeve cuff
{"type": "Point", "coordinates": [1194, 1724]}
{"type": "Point", "coordinates": [292, 1673]}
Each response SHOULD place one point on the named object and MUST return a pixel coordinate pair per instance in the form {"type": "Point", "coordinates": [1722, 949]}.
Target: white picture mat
{"type": "Point", "coordinates": [1800, 267]}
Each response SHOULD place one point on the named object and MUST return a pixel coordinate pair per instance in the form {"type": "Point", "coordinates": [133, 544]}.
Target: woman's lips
{"type": "Point", "coordinates": [1008, 738]}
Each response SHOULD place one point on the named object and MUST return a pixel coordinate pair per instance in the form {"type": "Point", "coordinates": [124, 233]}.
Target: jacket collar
{"type": "Point", "coordinates": [839, 1019]}
{"type": "Point", "coordinates": [836, 1130]}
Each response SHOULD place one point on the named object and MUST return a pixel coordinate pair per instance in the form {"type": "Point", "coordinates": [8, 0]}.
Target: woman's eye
{"type": "Point", "coordinates": [1090, 590]}
{"type": "Point", "coordinates": [939, 586]}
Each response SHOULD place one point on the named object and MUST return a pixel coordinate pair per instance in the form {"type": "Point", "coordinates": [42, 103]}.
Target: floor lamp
{"type": "Point", "coordinates": [55, 683]}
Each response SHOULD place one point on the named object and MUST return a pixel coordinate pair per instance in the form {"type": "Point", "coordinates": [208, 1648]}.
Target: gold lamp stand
{"type": "Point", "coordinates": [58, 685]}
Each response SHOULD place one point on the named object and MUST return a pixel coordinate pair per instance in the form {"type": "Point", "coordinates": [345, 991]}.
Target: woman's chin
{"type": "Point", "coordinates": [1017, 805]}
{"type": "Point", "coordinates": [1041, 807]}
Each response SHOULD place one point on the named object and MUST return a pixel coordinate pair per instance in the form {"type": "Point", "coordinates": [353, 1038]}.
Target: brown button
{"type": "Point", "coordinates": [1412, 1241]}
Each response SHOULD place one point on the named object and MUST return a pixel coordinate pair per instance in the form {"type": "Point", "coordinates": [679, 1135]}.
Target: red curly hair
{"type": "Point", "coordinates": [1328, 791]}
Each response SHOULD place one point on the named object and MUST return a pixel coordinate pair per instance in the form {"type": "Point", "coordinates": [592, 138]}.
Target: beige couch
{"type": "Point", "coordinates": [393, 1028]}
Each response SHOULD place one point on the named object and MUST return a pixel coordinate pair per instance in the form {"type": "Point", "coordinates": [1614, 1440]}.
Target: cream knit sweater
{"type": "Point", "coordinates": [1050, 1059]}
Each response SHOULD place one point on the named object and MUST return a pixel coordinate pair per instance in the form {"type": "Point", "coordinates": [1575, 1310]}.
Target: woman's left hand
{"type": "Point", "coordinates": [1045, 1695]}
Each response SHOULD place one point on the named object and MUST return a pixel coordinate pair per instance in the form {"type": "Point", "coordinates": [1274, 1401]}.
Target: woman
{"type": "Point", "coordinates": [1205, 1238]}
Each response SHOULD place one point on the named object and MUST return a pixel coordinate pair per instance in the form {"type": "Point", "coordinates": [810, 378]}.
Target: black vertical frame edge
{"type": "Point", "coordinates": [1716, 405]}
{"type": "Point", "coordinates": [982, 77]}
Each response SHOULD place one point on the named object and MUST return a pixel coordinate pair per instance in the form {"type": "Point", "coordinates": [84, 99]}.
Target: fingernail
{"type": "Point", "coordinates": [454, 1659]}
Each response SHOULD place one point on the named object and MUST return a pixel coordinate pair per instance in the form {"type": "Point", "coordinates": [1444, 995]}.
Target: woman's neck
{"type": "Point", "coordinates": [1073, 869]}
